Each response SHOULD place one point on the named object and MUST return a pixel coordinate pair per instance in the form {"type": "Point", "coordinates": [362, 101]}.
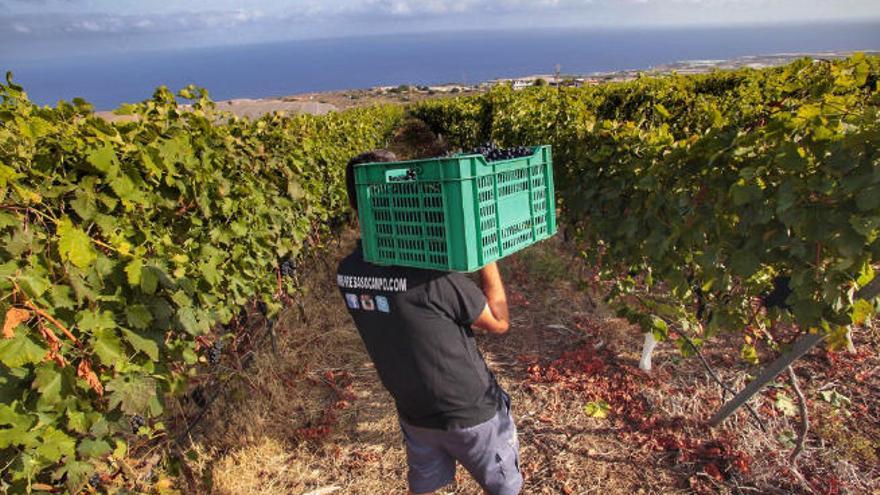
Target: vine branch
{"type": "Point", "coordinates": [46, 316]}
{"type": "Point", "coordinates": [723, 385]}
{"type": "Point", "coordinates": [805, 416]}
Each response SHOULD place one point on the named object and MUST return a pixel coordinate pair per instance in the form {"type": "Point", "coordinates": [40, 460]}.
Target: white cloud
{"type": "Point", "coordinates": [114, 24]}
{"type": "Point", "coordinates": [144, 24]}
{"type": "Point", "coordinates": [228, 19]}
{"type": "Point", "coordinates": [404, 8]}
{"type": "Point", "coordinates": [263, 19]}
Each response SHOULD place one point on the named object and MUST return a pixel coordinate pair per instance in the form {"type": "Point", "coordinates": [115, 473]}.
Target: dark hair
{"type": "Point", "coordinates": [367, 157]}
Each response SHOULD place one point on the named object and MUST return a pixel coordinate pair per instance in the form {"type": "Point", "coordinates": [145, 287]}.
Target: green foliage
{"type": "Point", "coordinates": [785, 404]}
{"type": "Point", "coordinates": [709, 184]}
{"type": "Point", "coordinates": [597, 409]}
{"type": "Point", "coordinates": [123, 242]}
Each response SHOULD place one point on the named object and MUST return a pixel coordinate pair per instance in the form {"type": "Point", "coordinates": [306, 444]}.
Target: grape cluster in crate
{"type": "Point", "coordinates": [492, 153]}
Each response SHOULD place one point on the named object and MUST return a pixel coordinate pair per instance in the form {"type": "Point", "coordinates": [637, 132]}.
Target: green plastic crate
{"type": "Point", "coordinates": [455, 214]}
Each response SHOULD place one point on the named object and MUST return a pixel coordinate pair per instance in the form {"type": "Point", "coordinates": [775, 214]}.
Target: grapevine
{"type": "Point", "coordinates": [701, 196]}
{"type": "Point", "coordinates": [122, 243]}
{"type": "Point", "coordinates": [711, 203]}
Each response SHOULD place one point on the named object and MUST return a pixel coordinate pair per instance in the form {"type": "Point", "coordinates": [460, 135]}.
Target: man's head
{"type": "Point", "coordinates": [367, 157]}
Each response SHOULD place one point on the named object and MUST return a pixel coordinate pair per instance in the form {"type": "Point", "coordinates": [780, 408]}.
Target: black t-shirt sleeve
{"type": "Point", "coordinates": [461, 297]}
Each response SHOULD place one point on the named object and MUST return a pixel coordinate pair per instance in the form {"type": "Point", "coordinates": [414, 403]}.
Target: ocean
{"type": "Point", "coordinates": [278, 69]}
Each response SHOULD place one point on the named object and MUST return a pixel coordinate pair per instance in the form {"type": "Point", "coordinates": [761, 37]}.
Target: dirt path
{"type": "Point", "coordinates": [315, 419]}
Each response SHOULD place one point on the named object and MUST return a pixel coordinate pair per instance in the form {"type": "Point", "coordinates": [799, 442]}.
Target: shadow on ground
{"type": "Point", "coordinates": [314, 419]}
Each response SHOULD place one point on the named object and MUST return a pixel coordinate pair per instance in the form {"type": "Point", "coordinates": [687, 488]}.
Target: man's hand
{"type": "Point", "coordinates": [495, 317]}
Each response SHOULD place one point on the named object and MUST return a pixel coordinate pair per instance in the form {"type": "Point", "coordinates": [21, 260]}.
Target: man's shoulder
{"type": "Point", "coordinates": [354, 264]}
{"type": "Point", "coordinates": [349, 260]}
{"type": "Point", "coordinates": [354, 261]}
{"type": "Point", "coordinates": [458, 278]}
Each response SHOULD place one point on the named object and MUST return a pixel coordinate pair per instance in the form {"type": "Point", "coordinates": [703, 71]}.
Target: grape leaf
{"type": "Point", "coordinates": [749, 354]}
{"type": "Point", "coordinates": [20, 350]}
{"type": "Point", "coordinates": [102, 158]}
{"type": "Point", "coordinates": [133, 272]}
{"type": "Point", "coordinates": [835, 398]}
{"type": "Point", "coordinates": [95, 320]}
{"type": "Point", "coordinates": [84, 205]}
{"type": "Point", "coordinates": [744, 263]}
{"type": "Point", "coordinates": [787, 439]}
{"type": "Point", "coordinates": [75, 473]}
{"type": "Point", "coordinates": [210, 272]}
{"type": "Point", "coordinates": [131, 393]}
{"type": "Point", "coordinates": [868, 199]}
{"type": "Point", "coordinates": [89, 448]}
{"type": "Point", "coordinates": [52, 383]}
{"type": "Point", "coordinates": [123, 186]}
{"type": "Point", "coordinates": [74, 245]}
{"type": "Point", "coordinates": [84, 371]}
{"type": "Point", "coordinates": [55, 445]}
{"type": "Point", "coordinates": [8, 416]}
{"type": "Point", "coordinates": [61, 297]}
{"type": "Point", "coordinates": [14, 318]}
{"type": "Point", "coordinates": [659, 328]}
{"type": "Point", "coordinates": [149, 280]}
{"type": "Point", "coordinates": [142, 344]}
{"type": "Point", "coordinates": [108, 347]}
{"type": "Point", "coordinates": [597, 409]}
{"type": "Point", "coordinates": [785, 405]}
{"type": "Point", "coordinates": [138, 316]}
{"type": "Point", "coordinates": [77, 421]}
{"type": "Point", "coordinates": [18, 435]}
{"type": "Point", "coordinates": [33, 283]}
{"type": "Point", "coordinates": [862, 311]}
{"type": "Point", "coordinates": [187, 318]}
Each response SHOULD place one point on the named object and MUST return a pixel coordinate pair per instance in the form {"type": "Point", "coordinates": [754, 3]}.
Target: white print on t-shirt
{"type": "Point", "coordinates": [371, 283]}
{"type": "Point", "coordinates": [352, 301]}
{"type": "Point", "coordinates": [367, 302]}
{"type": "Point", "coordinates": [382, 304]}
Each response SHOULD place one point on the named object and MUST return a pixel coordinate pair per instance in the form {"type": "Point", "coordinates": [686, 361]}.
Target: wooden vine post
{"type": "Point", "coordinates": [800, 347]}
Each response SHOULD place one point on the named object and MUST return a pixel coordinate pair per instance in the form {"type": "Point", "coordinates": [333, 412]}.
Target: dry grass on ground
{"type": "Point", "coordinates": [315, 420]}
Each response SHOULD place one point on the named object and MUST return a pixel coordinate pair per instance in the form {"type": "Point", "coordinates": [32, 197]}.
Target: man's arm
{"type": "Point", "coordinates": [495, 317]}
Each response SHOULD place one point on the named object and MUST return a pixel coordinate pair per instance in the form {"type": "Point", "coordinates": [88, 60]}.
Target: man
{"type": "Point", "coordinates": [417, 326]}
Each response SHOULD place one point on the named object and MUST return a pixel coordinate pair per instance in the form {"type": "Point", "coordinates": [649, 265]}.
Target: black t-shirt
{"type": "Point", "coordinates": [416, 326]}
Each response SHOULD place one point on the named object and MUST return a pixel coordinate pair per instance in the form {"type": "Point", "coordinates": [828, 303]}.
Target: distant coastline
{"type": "Point", "coordinates": [277, 70]}
{"type": "Point", "coordinates": [322, 102]}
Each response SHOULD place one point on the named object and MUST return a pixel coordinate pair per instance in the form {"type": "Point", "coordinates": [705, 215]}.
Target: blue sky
{"type": "Point", "coordinates": [34, 29]}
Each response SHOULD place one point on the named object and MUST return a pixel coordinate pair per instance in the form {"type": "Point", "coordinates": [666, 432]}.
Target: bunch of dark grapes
{"type": "Point", "coordinates": [493, 153]}
{"type": "Point", "coordinates": [136, 422]}
{"type": "Point", "coordinates": [95, 480]}
{"type": "Point", "coordinates": [262, 308]}
{"type": "Point", "coordinates": [337, 222]}
{"type": "Point", "coordinates": [780, 292]}
{"type": "Point", "coordinates": [288, 268]}
{"type": "Point", "coordinates": [215, 352]}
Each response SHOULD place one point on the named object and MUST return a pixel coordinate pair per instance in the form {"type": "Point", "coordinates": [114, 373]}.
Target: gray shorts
{"type": "Point", "coordinates": [489, 451]}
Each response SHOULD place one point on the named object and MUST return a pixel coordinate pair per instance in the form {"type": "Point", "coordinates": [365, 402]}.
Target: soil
{"type": "Point", "coordinates": [314, 419]}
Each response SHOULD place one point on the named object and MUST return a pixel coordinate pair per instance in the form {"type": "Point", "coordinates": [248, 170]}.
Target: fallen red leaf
{"type": "Point", "coordinates": [713, 471]}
